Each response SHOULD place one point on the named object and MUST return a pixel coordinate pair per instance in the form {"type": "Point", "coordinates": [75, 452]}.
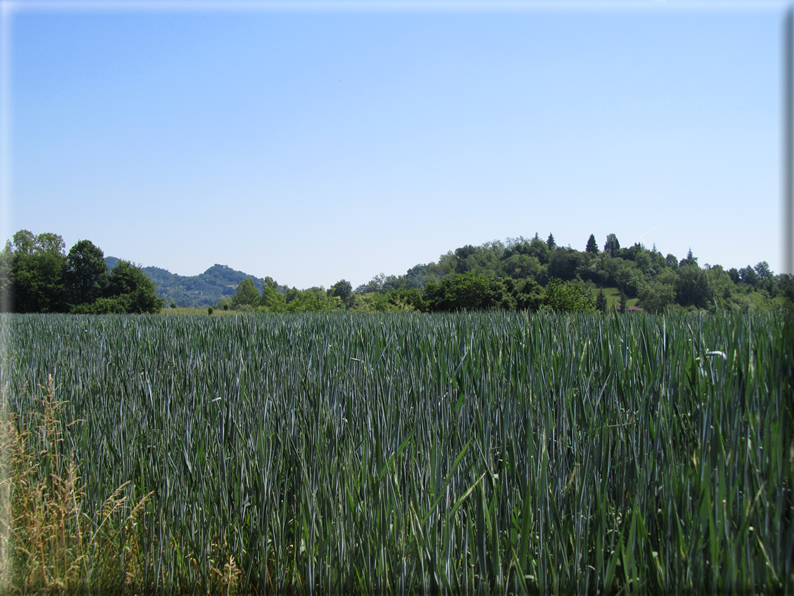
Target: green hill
{"type": "Point", "coordinates": [200, 290]}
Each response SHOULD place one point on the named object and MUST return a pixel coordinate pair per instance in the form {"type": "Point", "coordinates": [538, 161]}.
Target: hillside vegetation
{"type": "Point", "coordinates": [518, 274]}
{"type": "Point", "coordinates": [532, 274]}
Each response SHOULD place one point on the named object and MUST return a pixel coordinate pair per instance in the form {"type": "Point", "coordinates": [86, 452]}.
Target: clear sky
{"type": "Point", "coordinates": [331, 141]}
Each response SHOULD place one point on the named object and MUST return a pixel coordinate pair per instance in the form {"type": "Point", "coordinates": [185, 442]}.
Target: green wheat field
{"type": "Point", "coordinates": [472, 453]}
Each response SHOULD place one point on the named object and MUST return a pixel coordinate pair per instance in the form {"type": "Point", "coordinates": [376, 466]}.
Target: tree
{"type": "Point", "coordinates": [6, 260]}
{"type": "Point", "coordinates": [763, 271]}
{"type": "Point", "coordinates": [272, 300]}
{"type": "Point", "coordinates": [592, 247]}
{"type": "Point", "coordinates": [526, 294]}
{"type": "Point", "coordinates": [623, 303]}
{"type": "Point", "coordinates": [86, 273]}
{"type": "Point", "coordinates": [748, 275]}
{"type": "Point", "coordinates": [246, 294]}
{"type": "Point", "coordinates": [467, 291]}
{"type": "Point", "coordinates": [314, 300]}
{"type": "Point", "coordinates": [520, 266]}
{"type": "Point", "coordinates": [566, 296]}
{"type": "Point", "coordinates": [689, 260]}
{"type": "Point", "coordinates": [656, 296]}
{"type": "Point", "coordinates": [539, 250]}
{"type": "Point", "coordinates": [344, 290]}
{"type": "Point", "coordinates": [628, 277]}
{"type": "Point", "coordinates": [693, 287]}
{"type": "Point", "coordinates": [132, 290]}
{"type": "Point", "coordinates": [408, 299]}
{"type": "Point", "coordinates": [24, 242]}
{"type": "Point", "coordinates": [563, 263]}
{"type": "Point", "coordinates": [37, 273]}
{"type": "Point", "coordinates": [601, 301]}
{"type": "Point", "coordinates": [611, 245]}
{"type": "Point", "coordinates": [550, 242]}
{"type": "Point", "coordinates": [374, 285]}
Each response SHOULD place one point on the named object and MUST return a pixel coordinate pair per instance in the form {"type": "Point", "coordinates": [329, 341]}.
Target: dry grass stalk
{"type": "Point", "coordinates": [54, 544]}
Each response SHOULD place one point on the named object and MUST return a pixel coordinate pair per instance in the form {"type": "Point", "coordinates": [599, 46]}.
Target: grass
{"type": "Point", "coordinates": [477, 452]}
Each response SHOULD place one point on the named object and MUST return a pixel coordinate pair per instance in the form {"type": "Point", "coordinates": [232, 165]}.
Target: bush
{"type": "Point", "coordinates": [566, 296]}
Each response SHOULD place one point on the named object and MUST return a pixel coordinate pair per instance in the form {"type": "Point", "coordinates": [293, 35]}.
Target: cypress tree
{"type": "Point", "coordinates": [601, 300]}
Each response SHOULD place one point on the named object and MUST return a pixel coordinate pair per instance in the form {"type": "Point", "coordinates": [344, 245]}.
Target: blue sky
{"type": "Point", "coordinates": [327, 142]}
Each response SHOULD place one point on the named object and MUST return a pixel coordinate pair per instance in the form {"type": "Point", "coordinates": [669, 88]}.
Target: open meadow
{"type": "Point", "coordinates": [494, 452]}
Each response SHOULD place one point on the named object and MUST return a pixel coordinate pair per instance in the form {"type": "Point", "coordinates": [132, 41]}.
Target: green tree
{"type": "Point", "coordinates": [525, 294]}
{"type": "Point", "coordinates": [86, 273]}
{"type": "Point", "coordinates": [612, 245]}
{"type": "Point", "coordinates": [563, 263]}
{"type": "Point", "coordinates": [656, 296]}
{"type": "Point", "coordinates": [132, 290]}
{"type": "Point", "coordinates": [748, 276]}
{"type": "Point", "coordinates": [24, 243]}
{"type": "Point", "coordinates": [693, 287]}
{"type": "Point", "coordinates": [246, 294]}
{"type": "Point", "coordinates": [566, 296]}
{"type": "Point", "coordinates": [37, 272]}
{"type": "Point", "coordinates": [624, 308]}
{"type": "Point", "coordinates": [627, 277]}
{"type": "Point", "coordinates": [601, 301]}
{"type": "Point", "coordinates": [592, 247]}
{"type": "Point", "coordinates": [408, 299]}
{"type": "Point", "coordinates": [520, 266]}
{"type": "Point", "coordinates": [763, 271]}
{"type": "Point", "coordinates": [538, 249]}
{"type": "Point", "coordinates": [314, 300]}
{"type": "Point", "coordinates": [6, 260]}
{"type": "Point", "coordinates": [272, 300]}
{"type": "Point", "coordinates": [344, 290]}
{"type": "Point", "coordinates": [467, 291]}
{"type": "Point", "coordinates": [550, 242]}
{"type": "Point", "coordinates": [689, 260]}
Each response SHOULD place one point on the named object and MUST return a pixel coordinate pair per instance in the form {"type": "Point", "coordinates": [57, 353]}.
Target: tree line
{"type": "Point", "coordinates": [525, 274]}
{"type": "Point", "coordinates": [534, 274]}
{"type": "Point", "coordinates": [466, 291]}
{"type": "Point", "coordinates": [40, 277]}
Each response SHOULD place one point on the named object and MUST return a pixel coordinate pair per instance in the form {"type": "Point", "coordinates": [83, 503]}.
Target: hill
{"type": "Point", "coordinates": [200, 290]}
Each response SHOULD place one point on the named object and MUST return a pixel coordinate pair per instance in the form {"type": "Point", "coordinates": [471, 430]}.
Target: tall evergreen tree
{"type": "Point", "coordinates": [550, 242]}
{"type": "Point", "coordinates": [601, 300]}
{"type": "Point", "coordinates": [591, 245]}
{"type": "Point", "coordinates": [611, 245]}
{"type": "Point", "coordinates": [623, 303]}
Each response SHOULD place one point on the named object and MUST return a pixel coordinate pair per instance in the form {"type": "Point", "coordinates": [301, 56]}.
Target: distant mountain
{"type": "Point", "coordinates": [200, 290]}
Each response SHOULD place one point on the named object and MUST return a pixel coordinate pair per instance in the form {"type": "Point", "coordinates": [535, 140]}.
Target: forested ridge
{"type": "Point", "coordinates": [533, 274]}
{"type": "Point", "coordinates": [519, 273]}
